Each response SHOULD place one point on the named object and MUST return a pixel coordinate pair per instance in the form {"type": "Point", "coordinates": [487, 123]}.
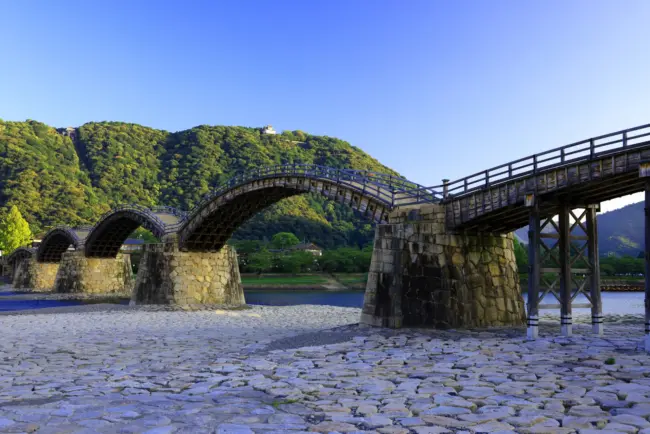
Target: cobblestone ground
{"type": "Point", "coordinates": [242, 372]}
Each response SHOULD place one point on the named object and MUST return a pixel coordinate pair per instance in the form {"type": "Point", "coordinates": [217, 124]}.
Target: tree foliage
{"type": "Point", "coordinates": [284, 240]}
{"type": "Point", "coordinates": [56, 181]}
{"type": "Point", "coordinates": [14, 231]}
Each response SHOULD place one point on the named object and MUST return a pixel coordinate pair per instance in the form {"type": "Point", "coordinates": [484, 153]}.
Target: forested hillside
{"type": "Point", "coordinates": [55, 180]}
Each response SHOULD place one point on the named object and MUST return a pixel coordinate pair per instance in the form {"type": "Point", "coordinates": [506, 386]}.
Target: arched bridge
{"type": "Point", "coordinates": [220, 213]}
{"type": "Point", "coordinates": [493, 200]}
{"type": "Point", "coordinates": [441, 280]}
{"type": "Point", "coordinates": [20, 254]}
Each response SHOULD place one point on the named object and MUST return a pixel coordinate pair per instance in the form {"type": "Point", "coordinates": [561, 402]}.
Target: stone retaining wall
{"type": "Point", "coordinates": [78, 273]}
{"type": "Point", "coordinates": [37, 276]}
{"type": "Point", "coordinates": [423, 275]}
{"type": "Point", "coordinates": [169, 276]}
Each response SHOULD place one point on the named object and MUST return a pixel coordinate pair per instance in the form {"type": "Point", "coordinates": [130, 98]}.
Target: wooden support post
{"type": "Point", "coordinates": [647, 264]}
{"type": "Point", "coordinates": [533, 273]}
{"type": "Point", "coordinates": [565, 270]}
{"type": "Point", "coordinates": [594, 277]}
{"type": "Point", "coordinates": [644, 172]}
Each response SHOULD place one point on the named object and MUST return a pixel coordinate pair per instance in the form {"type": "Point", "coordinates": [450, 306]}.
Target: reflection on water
{"type": "Point", "coordinates": [613, 302]}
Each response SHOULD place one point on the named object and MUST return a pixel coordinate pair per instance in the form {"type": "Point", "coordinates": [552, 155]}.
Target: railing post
{"type": "Point", "coordinates": [562, 155]}
{"type": "Point", "coordinates": [465, 185]}
{"type": "Point", "coordinates": [445, 188]}
{"type": "Point", "coordinates": [625, 139]}
{"type": "Point", "coordinates": [509, 170]}
{"type": "Point", "coordinates": [487, 178]}
{"type": "Point", "coordinates": [534, 164]}
{"type": "Point", "coordinates": [592, 150]}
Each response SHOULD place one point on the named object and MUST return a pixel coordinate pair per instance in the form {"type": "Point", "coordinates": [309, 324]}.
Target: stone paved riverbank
{"type": "Point", "coordinates": [249, 371]}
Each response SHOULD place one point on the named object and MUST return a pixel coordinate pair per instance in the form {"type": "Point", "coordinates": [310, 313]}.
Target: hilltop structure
{"type": "Point", "coordinates": [268, 129]}
{"type": "Point", "coordinates": [68, 132]}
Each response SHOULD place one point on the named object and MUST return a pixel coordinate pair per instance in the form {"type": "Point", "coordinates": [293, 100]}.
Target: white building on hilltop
{"type": "Point", "coordinates": [268, 130]}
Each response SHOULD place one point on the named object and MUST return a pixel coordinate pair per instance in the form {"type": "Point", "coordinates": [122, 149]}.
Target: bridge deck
{"type": "Point", "coordinates": [168, 218]}
{"type": "Point", "coordinates": [595, 175]}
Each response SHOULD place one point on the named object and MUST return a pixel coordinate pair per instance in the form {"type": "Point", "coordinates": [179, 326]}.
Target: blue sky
{"type": "Point", "coordinates": [434, 89]}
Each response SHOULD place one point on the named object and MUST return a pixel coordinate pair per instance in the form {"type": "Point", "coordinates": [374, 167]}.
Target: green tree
{"type": "Point", "coordinates": [259, 262]}
{"type": "Point", "coordinates": [521, 256]}
{"type": "Point", "coordinates": [14, 231]}
{"type": "Point", "coordinates": [284, 240]}
{"type": "Point", "coordinates": [246, 247]}
{"type": "Point", "coordinates": [143, 234]}
{"type": "Point", "coordinates": [296, 262]}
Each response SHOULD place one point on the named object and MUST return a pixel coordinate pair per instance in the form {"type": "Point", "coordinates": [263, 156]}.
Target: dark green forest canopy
{"type": "Point", "coordinates": [55, 180]}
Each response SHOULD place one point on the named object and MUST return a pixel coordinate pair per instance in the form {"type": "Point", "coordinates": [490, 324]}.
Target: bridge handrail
{"type": "Point", "coordinates": [385, 187]}
{"type": "Point", "coordinates": [71, 230]}
{"type": "Point", "coordinates": [82, 228]}
{"type": "Point", "coordinates": [534, 164]}
{"type": "Point", "coordinates": [23, 249]}
{"type": "Point", "coordinates": [392, 183]}
{"type": "Point", "coordinates": [130, 207]}
{"type": "Point", "coordinates": [169, 210]}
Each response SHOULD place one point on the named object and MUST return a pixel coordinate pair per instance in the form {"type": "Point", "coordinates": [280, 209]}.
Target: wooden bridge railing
{"type": "Point", "coordinates": [577, 152]}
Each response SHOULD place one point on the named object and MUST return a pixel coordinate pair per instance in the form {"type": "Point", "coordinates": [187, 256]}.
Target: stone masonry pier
{"type": "Point", "coordinates": [421, 274]}
{"type": "Point", "coordinates": [37, 276]}
{"type": "Point", "coordinates": [167, 275]}
{"type": "Point", "coordinates": [78, 273]}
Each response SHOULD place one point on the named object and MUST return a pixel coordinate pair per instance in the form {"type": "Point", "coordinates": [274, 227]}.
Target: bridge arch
{"type": "Point", "coordinates": [107, 236]}
{"type": "Point", "coordinates": [17, 257]}
{"type": "Point", "coordinates": [20, 254]}
{"type": "Point", "coordinates": [55, 243]}
{"type": "Point", "coordinates": [219, 214]}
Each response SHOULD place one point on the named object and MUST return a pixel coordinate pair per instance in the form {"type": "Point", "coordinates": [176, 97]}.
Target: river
{"type": "Point", "coordinates": [613, 302]}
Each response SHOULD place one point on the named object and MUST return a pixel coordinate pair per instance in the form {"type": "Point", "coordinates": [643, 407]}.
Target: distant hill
{"type": "Point", "coordinates": [620, 231]}
{"type": "Point", "coordinates": [71, 176]}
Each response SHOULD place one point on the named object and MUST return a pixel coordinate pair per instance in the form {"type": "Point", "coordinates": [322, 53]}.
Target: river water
{"type": "Point", "coordinates": [613, 302]}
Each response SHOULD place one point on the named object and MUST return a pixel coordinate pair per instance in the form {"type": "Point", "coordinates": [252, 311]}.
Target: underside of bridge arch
{"type": "Point", "coordinates": [211, 227]}
{"type": "Point", "coordinates": [53, 246]}
{"type": "Point", "coordinates": [18, 255]}
{"type": "Point", "coordinates": [213, 231]}
{"type": "Point", "coordinates": [106, 239]}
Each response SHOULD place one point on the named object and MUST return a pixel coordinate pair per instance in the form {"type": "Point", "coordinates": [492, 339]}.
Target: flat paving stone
{"type": "Point", "coordinates": [313, 369]}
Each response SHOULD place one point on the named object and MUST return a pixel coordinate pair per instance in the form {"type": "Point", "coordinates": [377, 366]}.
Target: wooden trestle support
{"type": "Point", "coordinates": [555, 249]}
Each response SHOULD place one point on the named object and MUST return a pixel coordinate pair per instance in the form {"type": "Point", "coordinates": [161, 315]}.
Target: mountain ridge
{"type": "Point", "coordinates": [620, 231]}
{"type": "Point", "coordinates": [71, 177]}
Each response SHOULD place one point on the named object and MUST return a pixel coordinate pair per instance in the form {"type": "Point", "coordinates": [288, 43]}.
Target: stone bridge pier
{"type": "Point", "coordinates": [168, 275]}
{"type": "Point", "coordinates": [422, 274]}
{"type": "Point", "coordinates": [78, 273]}
{"type": "Point", "coordinates": [37, 276]}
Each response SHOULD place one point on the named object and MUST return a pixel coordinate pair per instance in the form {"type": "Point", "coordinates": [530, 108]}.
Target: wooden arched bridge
{"type": "Point", "coordinates": [211, 223]}
{"type": "Point", "coordinates": [440, 229]}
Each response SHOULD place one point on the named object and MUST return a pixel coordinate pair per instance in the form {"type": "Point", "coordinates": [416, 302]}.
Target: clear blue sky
{"type": "Point", "coordinates": [434, 89]}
